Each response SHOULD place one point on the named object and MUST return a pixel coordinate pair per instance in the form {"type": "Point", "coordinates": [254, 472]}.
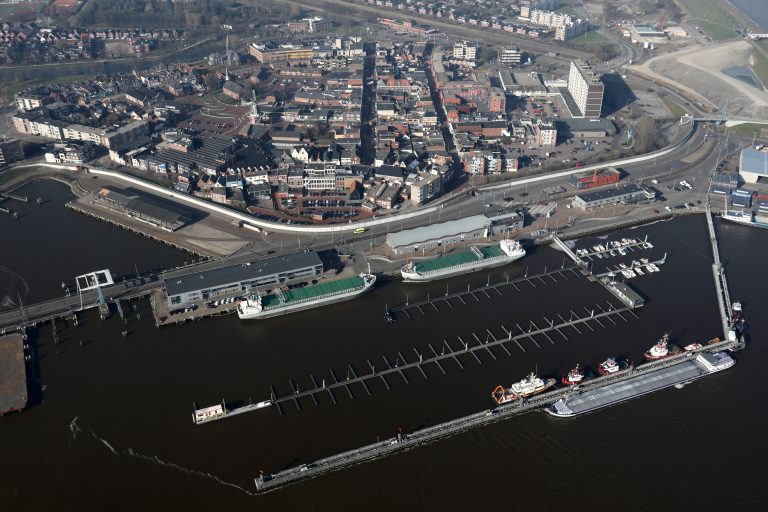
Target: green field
{"type": "Point", "coordinates": [7, 10]}
{"type": "Point", "coordinates": [748, 130]}
{"type": "Point", "coordinates": [588, 38]}
{"type": "Point", "coordinates": [760, 66]}
{"type": "Point", "coordinates": [677, 110]}
{"type": "Point", "coordinates": [711, 17]}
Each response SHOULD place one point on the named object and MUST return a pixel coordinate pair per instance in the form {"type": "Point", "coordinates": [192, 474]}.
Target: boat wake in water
{"type": "Point", "coordinates": [12, 286]}
{"type": "Point", "coordinates": [75, 429]}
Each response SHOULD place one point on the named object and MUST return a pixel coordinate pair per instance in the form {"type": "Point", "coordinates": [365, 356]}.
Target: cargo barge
{"type": "Point", "coordinates": [281, 302]}
{"type": "Point", "coordinates": [582, 402]}
{"type": "Point", "coordinates": [477, 258]}
{"type": "Point", "coordinates": [13, 374]}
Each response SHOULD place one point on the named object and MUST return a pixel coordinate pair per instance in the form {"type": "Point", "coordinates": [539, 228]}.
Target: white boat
{"type": "Point", "coordinates": [742, 217]}
{"type": "Point", "coordinates": [639, 271]}
{"type": "Point", "coordinates": [631, 273]}
{"type": "Point", "coordinates": [530, 385]}
{"type": "Point", "coordinates": [622, 251]}
{"type": "Point", "coordinates": [462, 263]}
{"type": "Point", "coordinates": [649, 268]}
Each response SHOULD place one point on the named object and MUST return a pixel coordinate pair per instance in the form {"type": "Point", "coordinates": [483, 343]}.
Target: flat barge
{"type": "Point", "coordinates": [582, 402]}
{"type": "Point", "coordinates": [13, 374]}
{"type": "Point", "coordinates": [477, 258]}
{"type": "Point", "coordinates": [307, 297]}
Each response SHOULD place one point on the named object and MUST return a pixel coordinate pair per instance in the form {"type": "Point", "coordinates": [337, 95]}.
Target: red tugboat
{"type": "Point", "coordinates": [575, 376]}
{"type": "Point", "coordinates": [608, 366]}
{"type": "Point", "coordinates": [662, 349]}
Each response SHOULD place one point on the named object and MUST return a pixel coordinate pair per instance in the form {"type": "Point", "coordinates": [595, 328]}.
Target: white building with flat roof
{"type": "Point", "coordinates": [753, 165]}
{"type": "Point", "coordinates": [586, 89]}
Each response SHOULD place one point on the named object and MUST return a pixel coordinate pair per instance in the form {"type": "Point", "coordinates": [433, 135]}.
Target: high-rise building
{"type": "Point", "coordinates": [510, 56]}
{"type": "Point", "coordinates": [10, 151]}
{"type": "Point", "coordinates": [586, 89]}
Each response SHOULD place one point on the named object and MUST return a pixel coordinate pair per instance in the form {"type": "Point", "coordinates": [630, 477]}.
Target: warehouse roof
{"type": "Point", "coordinates": [437, 231]}
{"type": "Point", "coordinates": [243, 272]}
{"type": "Point", "coordinates": [753, 161]}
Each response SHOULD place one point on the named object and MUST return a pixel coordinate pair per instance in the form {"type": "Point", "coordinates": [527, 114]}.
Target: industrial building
{"type": "Point", "coordinates": [167, 216]}
{"type": "Point", "coordinates": [646, 34]}
{"type": "Point", "coordinates": [505, 222]}
{"type": "Point", "coordinates": [596, 178]}
{"type": "Point", "coordinates": [200, 286]}
{"type": "Point", "coordinates": [626, 194]}
{"type": "Point", "coordinates": [753, 165]}
{"type": "Point", "coordinates": [430, 237]}
{"type": "Point", "coordinates": [586, 88]}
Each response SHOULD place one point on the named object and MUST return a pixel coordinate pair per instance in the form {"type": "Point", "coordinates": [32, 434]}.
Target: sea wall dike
{"type": "Point", "coordinates": [272, 226]}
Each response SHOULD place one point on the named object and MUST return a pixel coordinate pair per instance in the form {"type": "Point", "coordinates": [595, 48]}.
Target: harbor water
{"type": "Point", "coordinates": [110, 423]}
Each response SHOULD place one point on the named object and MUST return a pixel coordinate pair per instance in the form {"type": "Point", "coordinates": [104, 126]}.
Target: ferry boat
{"type": "Point", "coordinates": [531, 385]}
{"type": "Point", "coordinates": [608, 367]}
{"type": "Point", "coordinates": [282, 302]}
{"type": "Point", "coordinates": [575, 376]}
{"type": "Point", "coordinates": [476, 258]}
{"type": "Point", "coordinates": [662, 349]}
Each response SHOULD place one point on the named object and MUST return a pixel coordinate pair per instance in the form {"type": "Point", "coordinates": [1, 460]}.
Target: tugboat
{"type": "Point", "coordinates": [531, 385]}
{"type": "Point", "coordinates": [662, 349]}
{"type": "Point", "coordinates": [737, 318]}
{"type": "Point", "coordinates": [575, 376]}
{"type": "Point", "coordinates": [608, 366]}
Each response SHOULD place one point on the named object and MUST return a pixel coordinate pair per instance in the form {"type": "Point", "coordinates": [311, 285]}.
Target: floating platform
{"type": "Point", "coordinates": [592, 399]}
{"type": "Point", "coordinates": [13, 374]}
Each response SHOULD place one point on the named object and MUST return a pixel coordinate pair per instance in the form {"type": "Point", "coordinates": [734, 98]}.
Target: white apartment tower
{"type": "Point", "coordinates": [586, 88]}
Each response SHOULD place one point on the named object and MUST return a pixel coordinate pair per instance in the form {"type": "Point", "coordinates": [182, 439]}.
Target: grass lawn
{"type": "Point", "coordinates": [711, 17]}
{"type": "Point", "coordinates": [717, 31]}
{"type": "Point", "coordinates": [677, 110]}
{"type": "Point", "coordinates": [588, 37]}
{"type": "Point", "coordinates": [760, 66]}
{"type": "Point", "coordinates": [748, 130]}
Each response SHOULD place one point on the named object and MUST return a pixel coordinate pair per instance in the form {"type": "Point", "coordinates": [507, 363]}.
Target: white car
{"type": "Point", "coordinates": [655, 182]}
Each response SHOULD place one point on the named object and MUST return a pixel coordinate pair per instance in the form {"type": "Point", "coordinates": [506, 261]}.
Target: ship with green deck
{"type": "Point", "coordinates": [281, 302]}
{"type": "Point", "coordinates": [477, 258]}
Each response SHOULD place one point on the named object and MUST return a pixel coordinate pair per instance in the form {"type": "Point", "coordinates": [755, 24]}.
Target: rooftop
{"type": "Point", "coordinates": [236, 273]}
{"type": "Point", "coordinates": [436, 231]}
{"type": "Point", "coordinates": [753, 161]}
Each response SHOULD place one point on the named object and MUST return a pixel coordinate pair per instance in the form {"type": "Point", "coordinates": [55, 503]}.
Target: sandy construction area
{"type": "Point", "coordinates": [699, 72]}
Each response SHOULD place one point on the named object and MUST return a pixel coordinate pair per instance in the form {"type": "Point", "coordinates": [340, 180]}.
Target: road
{"type": "Point", "coordinates": [464, 31]}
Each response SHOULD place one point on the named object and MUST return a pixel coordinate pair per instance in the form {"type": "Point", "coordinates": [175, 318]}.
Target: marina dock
{"type": "Point", "coordinates": [13, 373]}
{"type": "Point", "coordinates": [514, 338]}
{"type": "Point", "coordinates": [402, 442]}
{"type": "Point", "coordinates": [542, 279]}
